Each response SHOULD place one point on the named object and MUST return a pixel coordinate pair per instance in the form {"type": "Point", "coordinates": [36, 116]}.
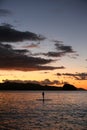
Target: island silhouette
{"type": "Point", "coordinates": [33, 86]}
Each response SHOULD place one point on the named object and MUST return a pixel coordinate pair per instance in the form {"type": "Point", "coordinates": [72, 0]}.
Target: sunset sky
{"type": "Point", "coordinates": [44, 41]}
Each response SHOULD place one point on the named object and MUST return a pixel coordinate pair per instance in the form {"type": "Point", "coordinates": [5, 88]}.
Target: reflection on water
{"type": "Point", "coordinates": [59, 111]}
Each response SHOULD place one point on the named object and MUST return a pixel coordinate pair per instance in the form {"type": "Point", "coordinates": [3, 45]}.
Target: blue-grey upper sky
{"type": "Point", "coordinates": [56, 19]}
{"type": "Point", "coordinates": [52, 15]}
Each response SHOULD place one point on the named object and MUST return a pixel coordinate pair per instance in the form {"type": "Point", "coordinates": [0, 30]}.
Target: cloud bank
{"type": "Point", "coordinates": [77, 76]}
{"type": "Point", "coordinates": [12, 59]}
{"type": "Point", "coordinates": [9, 34]}
{"type": "Point", "coordinates": [61, 50]}
{"type": "Point", "coordinates": [42, 82]}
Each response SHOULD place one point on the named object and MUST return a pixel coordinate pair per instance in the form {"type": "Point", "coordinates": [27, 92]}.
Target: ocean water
{"type": "Point", "coordinates": [59, 111]}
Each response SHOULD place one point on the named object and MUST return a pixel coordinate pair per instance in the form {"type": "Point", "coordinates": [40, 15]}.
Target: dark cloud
{"type": "Point", "coordinates": [48, 82]}
{"type": "Point", "coordinates": [51, 68]}
{"type": "Point", "coordinates": [45, 72]}
{"type": "Point", "coordinates": [58, 42]}
{"type": "Point", "coordinates": [53, 54]}
{"type": "Point", "coordinates": [80, 76]}
{"type": "Point", "coordinates": [77, 76]}
{"type": "Point", "coordinates": [61, 50]}
{"type": "Point", "coordinates": [64, 49]}
{"type": "Point", "coordinates": [5, 12]}
{"type": "Point", "coordinates": [23, 51]}
{"type": "Point", "coordinates": [61, 53]}
{"type": "Point", "coordinates": [59, 74]}
{"type": "Point", "coordinates": [9, 34]}
{"type": "Point", "coordinates": [12, 59]}
{"type": "Point", "coordinates": [42, 82]}
{"type": "Point", "coordinates": [61, 67]}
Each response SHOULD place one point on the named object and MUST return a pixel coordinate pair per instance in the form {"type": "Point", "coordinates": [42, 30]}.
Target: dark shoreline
{"type": "Point", "coordinates": [12, 86]}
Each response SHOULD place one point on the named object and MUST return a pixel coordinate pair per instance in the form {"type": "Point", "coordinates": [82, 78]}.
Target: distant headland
{"type": "Point", "coordinates": [32, 86]}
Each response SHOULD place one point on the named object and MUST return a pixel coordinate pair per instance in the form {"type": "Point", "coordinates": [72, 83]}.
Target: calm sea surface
{"type": "Point", "coordinates": [59, 111]}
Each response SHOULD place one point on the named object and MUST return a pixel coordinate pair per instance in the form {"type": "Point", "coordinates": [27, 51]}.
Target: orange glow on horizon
{"type": "Point", "coordinates": [40, 76]}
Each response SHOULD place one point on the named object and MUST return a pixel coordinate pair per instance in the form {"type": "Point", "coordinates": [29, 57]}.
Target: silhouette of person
{"type": "Point", "coordinates": [43, 95]}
